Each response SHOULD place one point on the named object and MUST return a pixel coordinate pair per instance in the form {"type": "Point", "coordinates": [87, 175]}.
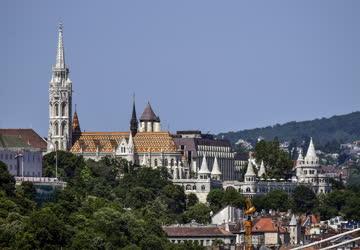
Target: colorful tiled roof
{"type": "Point", "coordinates": [24, 136]}
{"type": "Point", "coordinates": [154, 142]}
{"type": "Point", "coordinates": [108, 142]}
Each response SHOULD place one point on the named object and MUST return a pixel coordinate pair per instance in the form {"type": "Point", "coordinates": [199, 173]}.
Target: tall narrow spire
{"type": "Point", "coordinates": [60, 55]}
{"type": "Point", "coordinates": [133, 121]}
{"type": "Point", "coordinates": [75, 123]}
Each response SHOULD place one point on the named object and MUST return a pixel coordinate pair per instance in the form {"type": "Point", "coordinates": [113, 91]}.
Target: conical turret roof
{"type": "Point", "coordinates": [149, 115]}
{"type": "Point", "coordinates": [262, 170]}
{"type": "Point", "coordinates": [215, 169]}
{"type": "Point", "coordinates": [76, 123]}
{"type": "Point", "coordinates": [293, 221]}
{"type": "Point", "coordinates": [300, 156]}
{"type": "Point", "coordinates": [250, 169]}
{"type": "Point", "coordinates": [204, 167]}
{"type": "Point", "coordinates": [311, 154]}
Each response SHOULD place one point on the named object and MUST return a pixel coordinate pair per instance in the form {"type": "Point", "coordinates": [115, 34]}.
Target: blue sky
{"type": "Point", "coordinates": [209, 65]}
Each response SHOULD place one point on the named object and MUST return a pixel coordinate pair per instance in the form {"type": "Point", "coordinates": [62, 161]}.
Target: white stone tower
{"type": "Point", "coordinates": [294, 231]}
{"type": "Point", "coordinates": [60, 101]}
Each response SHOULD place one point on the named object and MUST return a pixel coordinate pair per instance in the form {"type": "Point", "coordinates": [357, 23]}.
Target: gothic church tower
{"type": "Point", "coordinates": [60, 101]}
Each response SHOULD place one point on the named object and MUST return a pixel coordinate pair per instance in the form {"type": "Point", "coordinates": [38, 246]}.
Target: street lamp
{"type": "Point", "coordinates": [52, 148]}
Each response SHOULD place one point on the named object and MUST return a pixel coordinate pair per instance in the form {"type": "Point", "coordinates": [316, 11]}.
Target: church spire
{"type": "Point", "coordinates": [60, 55]}
{"type": "Point", "coordinates": [133, 121]}
{"type": "Point", "coordinates": [76, 124]}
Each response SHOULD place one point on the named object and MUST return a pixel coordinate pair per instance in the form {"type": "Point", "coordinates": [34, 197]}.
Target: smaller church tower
{"type": "Point", "coordinates": [250, 179]}
{"type": "Point", "coordinates": [215, 172]}
{"type": "Point", "coordinates": [204, 172]}
{"type": "Point", "coordinates": [133, 121]}
{"type": "Point", "coordinates": [149, 122]}
{"type": "Point", "coordinates": [60, 101]}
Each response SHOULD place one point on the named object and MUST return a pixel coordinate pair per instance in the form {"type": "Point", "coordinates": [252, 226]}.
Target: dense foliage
{"type": "Point", "coordinates": [277, 162]}
{"type": "Point", "coordinates": [328, 133]}
{"type": "Point", "coordinates": [107, 204]}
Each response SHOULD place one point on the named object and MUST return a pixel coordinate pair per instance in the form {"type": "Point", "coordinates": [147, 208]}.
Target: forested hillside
{"type": "Point", "coordinates": [325, 131]}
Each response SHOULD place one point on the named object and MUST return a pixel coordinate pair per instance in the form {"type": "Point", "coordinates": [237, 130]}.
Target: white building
{"type": "Point", "coordinates": [307, 172]}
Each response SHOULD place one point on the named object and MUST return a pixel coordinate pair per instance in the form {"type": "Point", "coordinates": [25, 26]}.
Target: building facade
{"type": "Point", "coordinates": [21, 150]}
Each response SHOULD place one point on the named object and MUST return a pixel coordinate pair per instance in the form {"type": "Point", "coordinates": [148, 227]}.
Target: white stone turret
{"type": "Point", "coordinates": [215, 172]}
{"type": "Point", "coordinates": [311, 157]}
{"type": "Point", "coordinates": [262, 170]}
{"type": "Point", "coordinates": [60, 101]}
{"type": "Point", "coordinates": [294, 231]}
{"type": "Point", "coordinates": [204, 172]}
{"type": "Point", "coordinates": [250, 173]}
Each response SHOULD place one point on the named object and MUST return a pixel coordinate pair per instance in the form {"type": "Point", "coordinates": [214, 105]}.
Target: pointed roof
{"type": "Point", "coordinates": [250, 169]}
{"type": "Point", "coordinates": [148, 115]}
{"type": "Point", "coordinates": [76, 123]}
{"type": "Point", "coordinates": [204, 167]}
{"type": "Point", "coordinates": [215, 169]}
{"type": "Point", "coordinates": [300, 156]}
{"type": "Point", "coordinates": [130, 141]}
{"type": "Point", "coordinates": [311, 154]}
{"type": "Point", "coordinates": [60, 55]}
{"type": "Point", "coordinates": [133, 121]}
{"type": "Point", "coordinates": [262, 170]}
{"type": "Point", "coordinates": [293, 221]}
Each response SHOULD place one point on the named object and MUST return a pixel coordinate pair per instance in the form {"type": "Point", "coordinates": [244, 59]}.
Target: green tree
{"type": "Point", "coordinates": [304, 199]}
{"type": "Point", "coordinates": [279, 165]}
{"type": "Point", "coordinates": [199, 212]}
{"type": "Point", "coordinates": [7, 181]}
{"type": "Point", "coordinates": [192, 199]}
{"type": "Point", "coordinates": [215, 198]}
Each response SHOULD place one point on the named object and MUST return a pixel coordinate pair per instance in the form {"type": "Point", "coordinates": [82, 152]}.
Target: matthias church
{"type": "Point", "coordinates": [195, 161]}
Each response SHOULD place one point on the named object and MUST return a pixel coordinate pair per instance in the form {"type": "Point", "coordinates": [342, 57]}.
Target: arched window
{"type": "Point", "coordinates": [203, 187]}
{"type": "Point", "coordinates": [166, 162]}
{"type": "Point", "coordinates": [248, 190]}
{"type": "Point", "coordinates": [155, 162]}
{"type": "Point", "coordinates": [56, 128]}
{"type": "Point", "coordinates": [172, 162]}
{"type": "Point", "coordinates": [188, 187]}
{"type": "Point", "coordinates": [194, 187]}
{"type": "Point", "coordinates": [56, 145]}
{"type": "Point", "coordinates": [63, 109]}
{"type": "Point", "coordinates": [56, 107]}
{"type": "Point", "coordinates": [63, 126]}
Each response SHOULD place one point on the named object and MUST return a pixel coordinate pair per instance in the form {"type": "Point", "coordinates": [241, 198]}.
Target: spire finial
{"type": "Point", "coordinates": [60, 55]}
{"type": "Point", "coordinates": [75, 107]}
{"type": "Point", "coordinates": [133, 121]}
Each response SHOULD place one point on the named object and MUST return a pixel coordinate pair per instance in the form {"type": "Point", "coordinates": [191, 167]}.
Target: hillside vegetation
{"type": "Point", "coordinates": [326, 132]}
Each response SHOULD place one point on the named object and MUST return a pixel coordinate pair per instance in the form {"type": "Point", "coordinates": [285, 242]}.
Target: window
{"type": "Point", "coordinates": [56, 129]}
{"type": "Point", "coordinates": [63, 126]}
{"type": "Point", "coordinates": [56, 107]}
{"type": "Point", "coordinates": [166, 163]}
{"type": "Point", "coordinates": [248, 190]}
{"type": "Point", "coordinates": [188, 187]}
{"type": "Point", "coordinates": [194, 187]}
{"type": "Point", "coordinates": [172, 162]}
{"type": "Point", "coordinates": [203, 188]}
{"type": "Point", "coordinates": [63, 109]}
{"type": "Point", "coordinates": [155, 162]}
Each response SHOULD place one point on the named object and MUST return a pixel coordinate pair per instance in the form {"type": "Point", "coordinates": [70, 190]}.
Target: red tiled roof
{"type": "Point", "coordinates": [265, 225]}
{"type": "Point", "coordinates": [28, 135]}
{"type": "Point", "coordinates": [180, 231]}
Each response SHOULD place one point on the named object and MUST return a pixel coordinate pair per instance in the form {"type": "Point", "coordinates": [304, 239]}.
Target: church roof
{"type": "Point", "coordinates": [76, 124]}
{"type": "Point", "coordinates": [108, 142]}
{"type": "Point", "coordinates": [148, 115]}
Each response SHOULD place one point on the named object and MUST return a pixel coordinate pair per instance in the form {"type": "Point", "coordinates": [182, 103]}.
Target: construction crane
{"type": "Point", "coordinates": [249, 210]}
